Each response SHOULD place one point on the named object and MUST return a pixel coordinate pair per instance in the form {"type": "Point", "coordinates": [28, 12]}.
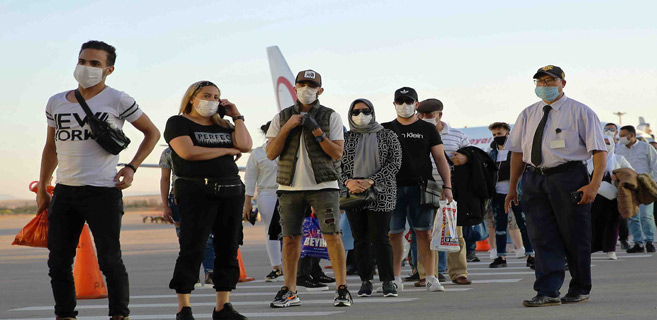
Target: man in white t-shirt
{"type": "Point", "coordinates": [308, 140]}
{"type": "Point", "coordinates": [88, 186]}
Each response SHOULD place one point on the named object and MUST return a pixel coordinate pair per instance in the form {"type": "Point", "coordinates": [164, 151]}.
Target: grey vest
{"type": "Point", "coordinates": [323, 166]}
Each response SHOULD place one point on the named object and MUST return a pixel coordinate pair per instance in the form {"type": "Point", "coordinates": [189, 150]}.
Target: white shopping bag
{"type": "Point", "coordinates": [444, 237]}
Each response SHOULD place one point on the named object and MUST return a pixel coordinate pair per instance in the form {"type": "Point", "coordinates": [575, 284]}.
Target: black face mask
{"type": "Point", "coordinates": [221, 111]}
{"type": "Point", "coordinates": [500, 140]}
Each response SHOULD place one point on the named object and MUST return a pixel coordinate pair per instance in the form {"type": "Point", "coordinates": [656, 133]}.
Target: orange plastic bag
{"type": "Point", "coordinates": [35, 233]}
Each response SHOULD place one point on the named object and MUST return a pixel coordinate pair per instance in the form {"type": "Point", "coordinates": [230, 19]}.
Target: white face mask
{"type": "Point", "coordinates": [362, 120]}
{"type": "Point", "coordinates": [609, 147]}
{"type": "Point", "coordinates": [624, 140]}
{"type": "Point", "coordinates": [610, 133]}
{"type": "Point", "coordinates": [432, 120]}
{"type": "Point", "coordinates": [206, 108]}
{"type": "Point", "coordinates": [307, 95]}
{"type": "Point", "coordinates": [405, 110]}
{"type": "Point", "coordinates": [88, 76]}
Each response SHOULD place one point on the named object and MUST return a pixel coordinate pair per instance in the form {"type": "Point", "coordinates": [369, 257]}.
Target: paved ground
{"type": "Point", "coordinates": [622, 289]}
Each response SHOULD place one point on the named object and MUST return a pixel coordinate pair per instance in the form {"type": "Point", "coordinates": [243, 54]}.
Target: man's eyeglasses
{"type": "Point", "coordinates": [546, 82]}
{"type": "Point", "coordinates": [404, 101]}
{"type": "Point", "coordinates": [366, 112]}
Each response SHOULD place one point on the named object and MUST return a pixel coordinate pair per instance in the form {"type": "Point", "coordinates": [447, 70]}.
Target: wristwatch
{"type": "Point", "coordinates": [321, 138]}
{"type": "Point", "coordinates": [238, 117]}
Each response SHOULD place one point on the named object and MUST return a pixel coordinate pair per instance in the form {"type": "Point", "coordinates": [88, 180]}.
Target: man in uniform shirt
{"type": "Point", "coordinates": [550, 142]}
{"type": "Point", "coordinates": [643, 159]}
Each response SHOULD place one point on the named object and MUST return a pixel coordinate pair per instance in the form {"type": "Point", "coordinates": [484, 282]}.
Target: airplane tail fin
{"type": "Point", "coordinates": [282, 78]}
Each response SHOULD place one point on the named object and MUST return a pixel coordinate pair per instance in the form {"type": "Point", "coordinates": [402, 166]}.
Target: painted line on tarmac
{"type": "Point", "coordinates": [209, 316]}
{"type": "Point", "coordinates": [210, 304]}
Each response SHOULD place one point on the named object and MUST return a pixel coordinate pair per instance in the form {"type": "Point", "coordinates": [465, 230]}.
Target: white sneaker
{"type": "Point", "coordinates": [434, 286]}
{"type": "Point", "coordinates": [611, 256]}
{"type": "Point", "coordinates": [520, 253]}
{"type": "Point", "coordinates": [400, 285]}
{"type": "Point", "coordinates": [492, 253]}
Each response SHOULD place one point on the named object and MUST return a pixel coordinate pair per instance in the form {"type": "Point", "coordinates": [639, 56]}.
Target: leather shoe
{"type": "Point", "coordinates": [542, 301]}
{"type": "Point", "coordinates": [462, 280]}
{"type": "Point", "coordinates": [421, 284]}
{"type": "Point", "coordinates": [574, 298]}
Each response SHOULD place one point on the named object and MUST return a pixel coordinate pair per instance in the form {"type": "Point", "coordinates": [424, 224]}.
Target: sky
{"type": "Point", "coordinates": [477, 57]}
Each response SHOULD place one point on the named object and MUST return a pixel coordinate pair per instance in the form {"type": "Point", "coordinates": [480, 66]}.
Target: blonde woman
{"type": "Point", "coordinates": [209, 192]}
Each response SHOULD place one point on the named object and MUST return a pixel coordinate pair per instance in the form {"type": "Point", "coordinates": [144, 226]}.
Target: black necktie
{"type": "Point", "coordinates": [537, 156]}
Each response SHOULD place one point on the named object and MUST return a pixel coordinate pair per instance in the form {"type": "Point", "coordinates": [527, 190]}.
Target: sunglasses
{"type": "Point", "coordinates": [366, 112]}
{"type": "Point", "coordinates": [404, 101]}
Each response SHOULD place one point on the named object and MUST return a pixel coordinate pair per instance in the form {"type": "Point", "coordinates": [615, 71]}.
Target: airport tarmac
{"type": "Point", "coordinates": [622, 289]}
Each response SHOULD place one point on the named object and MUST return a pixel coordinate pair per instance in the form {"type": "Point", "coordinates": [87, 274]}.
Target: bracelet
{"type": "Point", "coordinates": [131, 167]}
{"type": "Point", "coordinates": [238, 118]}
{"type": "Point", "coordinates": [446, 187]}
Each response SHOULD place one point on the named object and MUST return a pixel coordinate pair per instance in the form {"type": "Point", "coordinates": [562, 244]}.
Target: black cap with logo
{"type": "Point", "coordinates": [310, 76]}
{"type": "Point", "coordinates": [405, 92]}
{"type": "Point", "coordinates": [552, 71]}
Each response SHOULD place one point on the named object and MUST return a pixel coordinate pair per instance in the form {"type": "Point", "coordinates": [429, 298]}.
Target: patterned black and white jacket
{"type": "Point", "coordinates": [390, 156]}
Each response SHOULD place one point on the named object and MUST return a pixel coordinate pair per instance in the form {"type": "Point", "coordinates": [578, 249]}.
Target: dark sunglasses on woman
{"type": "Point", "coordinates": [366, 112]}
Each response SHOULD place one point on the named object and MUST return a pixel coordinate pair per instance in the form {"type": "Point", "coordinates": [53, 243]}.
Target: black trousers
{"type": "Point", "coordinates": [309, 266]}
{"type": "Point", "coordinates": [559, 229]}
{"type": "Point", "coordinates": [604, 221]}
{"type": "Point", "coordinates": [102, 209]}
{"type": "Point", "coordinates": [202, 212]}
{"type": "Point", "coordinates": [370, 230]}
{"type": "Point", "coordinates": [623, 232]}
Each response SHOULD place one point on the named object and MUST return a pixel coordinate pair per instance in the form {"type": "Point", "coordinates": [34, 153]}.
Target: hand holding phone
{"type": "Point", "coordinates": [576, 196]}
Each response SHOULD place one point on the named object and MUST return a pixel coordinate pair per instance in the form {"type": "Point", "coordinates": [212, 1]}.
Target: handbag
{"type": "Point", "coordinates": [350, 200]}
{"type": "Point", "coordinates": [430, 191]}
{"type": "Point", "coordinates": [113, 140]}
{"type": "Point", "coordinates": [430, 194]}
{"type": "Point", "coordinates": [444, 237]}
{"type": "Point", "coordinates": [478, 232]}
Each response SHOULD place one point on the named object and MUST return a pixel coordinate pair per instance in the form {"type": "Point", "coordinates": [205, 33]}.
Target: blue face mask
{"type": "Point", "coordinates": [547, 93]}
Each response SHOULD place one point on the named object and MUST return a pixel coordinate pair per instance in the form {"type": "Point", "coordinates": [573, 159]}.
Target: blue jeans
{"type": "Point", "coordinates": [644, 221]}
{"type": "Point", "coordinates": [502, 222]}
{"type": "Point", "coordinates": [408, 208]}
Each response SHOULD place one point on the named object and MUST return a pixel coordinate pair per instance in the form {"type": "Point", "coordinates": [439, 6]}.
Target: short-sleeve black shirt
{"type": "Point", "coordinates": [416, 140]}
{"type": "Point", "coordinates": [212, 136]}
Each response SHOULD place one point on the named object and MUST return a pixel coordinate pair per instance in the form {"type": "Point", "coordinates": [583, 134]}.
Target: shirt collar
{"type": "Point", "coordinates": [557, 104]}
{"type": "Point", "coordinates": [446, 127]}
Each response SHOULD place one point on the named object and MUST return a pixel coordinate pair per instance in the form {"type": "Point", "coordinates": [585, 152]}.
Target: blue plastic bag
{"type": "Point", "coordinates": [312, 242]}
{"type": "Point", "coordinates": [478, 232]}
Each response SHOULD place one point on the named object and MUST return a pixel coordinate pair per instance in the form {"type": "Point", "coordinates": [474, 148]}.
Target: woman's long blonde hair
{"type": "Point", "coordinates": [186, 105]}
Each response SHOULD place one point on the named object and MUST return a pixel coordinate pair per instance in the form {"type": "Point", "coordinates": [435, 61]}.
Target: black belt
{"type": "Point", "coordinates": [558, 169]}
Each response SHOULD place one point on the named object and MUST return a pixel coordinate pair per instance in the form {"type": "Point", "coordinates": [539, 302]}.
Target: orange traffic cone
{"type": "Point", "coordinates": [89, 282]}
{"type": "Point", "coordinates": [243, 276]}
{"type": "Point", "coordinates": [483, 245]}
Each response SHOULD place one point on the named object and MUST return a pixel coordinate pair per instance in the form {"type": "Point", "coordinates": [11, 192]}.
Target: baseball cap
{"type": "Point", "coordinates": [430, 105]}
{"type": "Point", "coordinates": [405, 92]}
{"type": "Point", "coordinates": [552, 71]}
{"type": "Point", "coordinates": [309, 75]}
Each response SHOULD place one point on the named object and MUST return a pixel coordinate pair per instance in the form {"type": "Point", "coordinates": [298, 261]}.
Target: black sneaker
{"type": "Point", "coordinates": [342, 297]}
{"type": "Point", "coordinates": [636, 249]}
{"type": "Point", "coordinates": [413, 278]}
{"type": "Point", "coordinates": [227, 313]}
{"type": "Point", "coordinates": [209, 279]}
{"type": "Point", "coordinates": [471, 257]}
{"type": "Point", "coordinates": [285, 298]}
{"type": "Point", "coordinates": [624, 245]}
{"type": "Point", "coordinates": [185, 314]}
{"type": "Point", "coordinates": [499, 262]}
{"type": "Point", "coordinates": [323, 278]}
{"type": "Point", "coordinates": [650, 247]}
{"type": "Point", "coordinates": [531, 262]}
{"type": "Point", "coordinates": [541, 301]}
{"type": "Point", "coordinates": [389, 289]}
{"type": "Point", "coordinates": [442, 278]}
{"type": "Point", "coordinates": [274, 276]}
{"type": "Point", "coordinates": [365, 289]}
{"type": "Point", "coordinates": [310, 284]}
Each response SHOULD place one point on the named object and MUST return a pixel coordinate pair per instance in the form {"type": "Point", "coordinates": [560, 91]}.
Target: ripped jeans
{"type": "Point", "coordinates": [293, 204]}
